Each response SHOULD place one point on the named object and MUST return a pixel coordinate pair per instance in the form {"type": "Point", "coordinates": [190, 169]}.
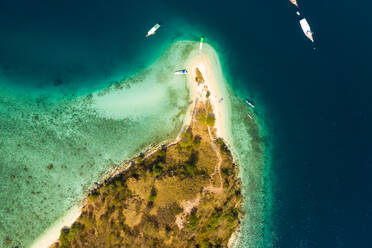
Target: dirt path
{"type": "Point", "coordinates": [217, 169]}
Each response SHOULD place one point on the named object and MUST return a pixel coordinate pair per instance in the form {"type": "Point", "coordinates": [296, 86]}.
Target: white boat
{"type": "Point", "coordinates": [153, 30]}
{"type": "Point", "coordinates": [298, 13]}
{"type": "Point", "coordinates": [249, 103]}
{"type": "Point", "coordinates": [201, 43]}
{"type": "Point", "coordinates": [180, 72]}
{"type": "Point", "coordinates": [306, 28]}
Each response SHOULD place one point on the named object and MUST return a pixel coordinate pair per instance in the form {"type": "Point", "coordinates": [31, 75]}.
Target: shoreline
{"type": "Point", "coordinates": [51, 235]}
{"type": "Point", "coordinates": [208, 63]}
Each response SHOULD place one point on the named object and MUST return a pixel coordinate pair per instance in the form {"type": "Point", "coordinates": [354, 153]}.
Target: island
{"type": "Point", "coordinates": [185, 193]}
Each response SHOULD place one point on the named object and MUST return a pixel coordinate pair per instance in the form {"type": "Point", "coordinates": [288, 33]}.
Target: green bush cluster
{"type": "Point", "coordinates": [207, 119]}
{"type": "Point", "coordinates": [189, 142]}
{"type": "Point", "coordinates": [157, 169]}
{"type": "Point", "coordinates": [193, 221]}
{"type": "Point", "coordinates": [189, 169]}
{"type": "Point", "coordinates": [161, 154]}
{"type": "Point", "coordinates": [68, 234]}
{"type": "Point", "coordinates": [226, 171]}
{"type": "Point", "coordinates": [94, 195]}
{"type": "Point", "coordinates": [153, 194]}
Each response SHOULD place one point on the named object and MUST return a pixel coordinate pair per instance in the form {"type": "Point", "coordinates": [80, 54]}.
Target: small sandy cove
{"type": "Point", "coordinates": [206, 61]}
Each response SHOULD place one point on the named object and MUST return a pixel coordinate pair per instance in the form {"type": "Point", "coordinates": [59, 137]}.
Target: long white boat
{"type": "Point", "coordinates": [180, 72]}
{"type": "Point", "coordinates": [201, 43]}
{"type": "Point", "coordinates": [306, 28]}
{"type": "Point", "coordinates": [153, 30]}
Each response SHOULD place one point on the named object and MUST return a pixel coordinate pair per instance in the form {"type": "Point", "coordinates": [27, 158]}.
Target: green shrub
{"type": "Point", "coordinates": [152, 198]}
{"type": "Point", "coordinates": [161, 154]}
{"type": "Point", "coordinates": [153, 194]}
{"type": "Point", "coordinates": [187, 141]}
{"type": "Point", "coordinates": [68, 234]}
{"type": "Point", "coordinates": [189, 169]}
{"type": "Point", "coordinates": [226, 171]}
{"type": "Point", "coordinates": [192, 222]}
{"type": "Point", "coordinates": [207, 119]}
{"type": "Point", "coordinates": [157, 169]}
{"type": "Point", "coordinates": [63, 238]}
{"type": "Point", "coordinates": [94, 195]}
{"type": "Point", "coordinates": [210, 120]}
{"type": "Point", "coordinates": [204, 244]}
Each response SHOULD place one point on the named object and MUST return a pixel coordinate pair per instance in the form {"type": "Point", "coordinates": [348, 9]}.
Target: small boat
{"type": "Point", "coordinates": [306, 28]}
{"type": "Point", "coordinates": [201, 43]}
{"type": "Point", "coordinates": [153, 30]}
{"type": "Point", "coordinates": [250, 116]}
{"type": "Point", "coordinates": [180, 72]}
{"type": "Point", "coordinates": [294, 2]}
{"type": "Point", "coordinates": [249, 103]}
{"type": "Point", "coordinates": [298, 13]}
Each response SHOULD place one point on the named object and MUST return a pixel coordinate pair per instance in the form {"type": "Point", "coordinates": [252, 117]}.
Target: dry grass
{"type": "Point", "coordinates": [138, 208]}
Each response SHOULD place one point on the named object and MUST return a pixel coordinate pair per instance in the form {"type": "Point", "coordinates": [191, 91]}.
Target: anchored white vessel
{"type": "Point", "coordinates": [249, 103]}
{"type": "Point", "coordinates": [153, 30]}
{"type": "Point", "coordinates": [181, 72]}
{"type": "Point", "coordinates": [201, 43]}
{"type": "Point", "coordinates": [306, 28]}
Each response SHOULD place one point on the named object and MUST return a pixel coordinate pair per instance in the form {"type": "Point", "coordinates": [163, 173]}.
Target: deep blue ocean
{"type": "Point", "coordinates": [316, 103]}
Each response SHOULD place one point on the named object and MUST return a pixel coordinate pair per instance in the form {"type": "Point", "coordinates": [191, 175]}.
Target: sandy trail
{"type": "Point", "coordinates": [217, 169]}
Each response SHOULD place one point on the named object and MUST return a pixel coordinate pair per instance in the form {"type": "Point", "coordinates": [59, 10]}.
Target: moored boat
{"type": "Point", "coordinates": [249, 103]}
{"type": "Point", "coordinates": [180, 72]}
{"type": "Point", "coordinates": [306, 28]}
{"type": "Point", "coordinates": [153, 30]}
{"type": "Point", "coordinates": [201, 43]}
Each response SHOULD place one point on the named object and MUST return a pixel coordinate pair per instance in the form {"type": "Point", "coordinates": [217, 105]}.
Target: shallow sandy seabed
{"type": "Point", "coordinates": [87, 137]}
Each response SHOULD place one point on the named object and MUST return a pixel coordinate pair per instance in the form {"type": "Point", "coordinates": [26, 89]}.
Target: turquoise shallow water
{"type": "Point", "coordinates": [85, 101]}
{"type": "Point", "coordinates": [83, 138]}
{"type": "Point", "coordinates": [86, 136]}
{"type": "Point", "coordinates": [251, 148]}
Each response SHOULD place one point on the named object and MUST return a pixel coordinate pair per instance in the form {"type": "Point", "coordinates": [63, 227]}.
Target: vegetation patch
{"type": "Point", "coordinates": [139, 207]}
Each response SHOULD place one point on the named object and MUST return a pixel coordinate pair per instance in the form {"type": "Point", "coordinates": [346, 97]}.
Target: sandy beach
{"type": "Point", "coordinates": [208, 64]}
{"type": "Point", "coordinates": [51, 235]}
{"type": "Point", "coordinates": [206, 61]}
